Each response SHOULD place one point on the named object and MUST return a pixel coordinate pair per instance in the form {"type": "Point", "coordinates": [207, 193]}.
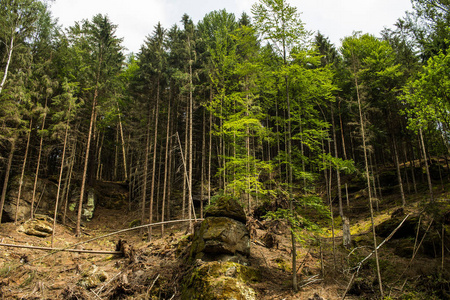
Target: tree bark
{"type": "Point", "coordinates": [36, 176]}
{"type": "Point", "coordinates": [166, 167]}
{"type": "Point", "coordinates": [59, 180]}
{"type": "Point", "coordinates": [361, 120]}
{"type": "Point", "coordinates": [11, 46]}
{"type": "Point", "coordinates": [399, 174]}
{"type": "Point", "coordinates": [23, 173]}
{"type": "Point", "coordinates": [8, 168]}
{"type": "Point", "coordinates": [86, 163]}
{"type": "Point", "coordinates": [427, 169]}
{"type": "Point", "coordinates": [155, 140]}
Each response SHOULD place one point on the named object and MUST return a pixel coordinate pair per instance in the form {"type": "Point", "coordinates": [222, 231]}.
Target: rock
{"type": "Point", "coordinates": [92, 278]}
{"type": "Point", "coordinates": [220, 281]}
{"type": "Point", "coordinates": [227, 206]}
{"type": "Point", "coordinates": [44, 197]}
{"type": "Point", "coordinates": [221, 235]}
{"type": "Point", "coordinates": [41, 226]}
{"type": "Point", "coordinates": [89, 206]}
{"type": "Point", "coordinates": [408, 229]}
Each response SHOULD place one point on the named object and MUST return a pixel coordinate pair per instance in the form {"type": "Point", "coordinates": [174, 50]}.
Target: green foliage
{"type": "Point", "coordinates": [425, 97]}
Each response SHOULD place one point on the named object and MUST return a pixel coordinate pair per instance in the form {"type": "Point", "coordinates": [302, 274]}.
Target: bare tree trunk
{"type": "Point", "coordinates": [361, 120]}
{"type": "Point", "coordinates": [59, 180]}
{"type": "Point", "coordinates": [98, 175]}
{"type": "Point", "coordinates": [191, 104]}
{"type": "Point", "coordinates": [209, 156]}
{"type": "Point", "coordinates": [68, 181]}
{"type": "Point", "coordinates": [5, 75]}
{"type": "Point", "coordinates": [203, 163]}
{"type": "Point", "coordinates": [427, 169]}
{"type": "Point", "coordinates": [149, 237]}
{"type": "Point", "coordinates": [166, 167]}
{"type": "Point", "coordinates": [8, 168]}
{"type": "Point", "coordinates": [124, 153]}
{"type": "Point", "coordinates": [38, 161]}
{"type": "Point", "coordinates": [86, 160]}
{"type": "Point", "coordinates": [186, 150]}
{"type": "Point", "coordinates": [145, 175]}
{"type": "Point", "coordinates": [116, 154]}
{"type": "Point", "coordinates": [23, 173]}
{"type": "Point", "coordinates": [399, 174]}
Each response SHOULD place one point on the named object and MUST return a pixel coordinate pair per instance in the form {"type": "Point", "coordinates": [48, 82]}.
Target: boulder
{"type": "Point", "coordinates": [41, 226]}
{"type": "Point", "coordinates": [221, 235]}
{"type": "Point", "coordinates": [44, 197]}
{"type": "Point", "coordinates": [227, 206]}
{"type": "Point", "coordinates": [220, 281]}
{"type": "Point", "coordinates": [89, 205]}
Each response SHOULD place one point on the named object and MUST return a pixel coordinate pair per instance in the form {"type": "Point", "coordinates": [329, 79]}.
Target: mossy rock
{"type": "Point", "coordinates": [227, 206]}
{"type": "Point", "coordinates": [408, 229]}
{"type": "Point", "coordinates": [220, 281]}
{"type": "Point", "coordinates": [220, 235]}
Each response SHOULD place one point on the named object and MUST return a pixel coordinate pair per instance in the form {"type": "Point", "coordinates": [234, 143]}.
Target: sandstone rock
{"type": "Point", "coordinates": [92, 278]}
{"type": "Point", "coordinates": [220, 281]}
{"type": "Point", "coordinates": [44, 197]}
{"type": "Point", "coordinates": [227, 206]}
{"type": "Point", "coordinates": [221, 235]}
{"type": "Point", "coordinates": [41, 226]}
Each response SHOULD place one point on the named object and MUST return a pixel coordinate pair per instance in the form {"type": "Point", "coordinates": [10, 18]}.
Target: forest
{"type": "Point", "coordinates": [253, 107]}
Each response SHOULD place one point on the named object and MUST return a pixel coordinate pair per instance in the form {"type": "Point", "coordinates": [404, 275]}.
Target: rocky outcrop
{"type": "Point", "coordinates": [219, 252]}
{"type": "Point", "coordinates": [44, 197]}
{"type": "Point", "coordinates": [223, 234]}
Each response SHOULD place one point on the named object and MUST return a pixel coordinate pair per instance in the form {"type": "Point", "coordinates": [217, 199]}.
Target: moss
{"type": "Point", "coordinates": [216, 280]}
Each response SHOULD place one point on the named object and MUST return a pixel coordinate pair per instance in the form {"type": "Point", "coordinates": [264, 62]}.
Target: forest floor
{"type": "Point", "coordinates": [154, 270]}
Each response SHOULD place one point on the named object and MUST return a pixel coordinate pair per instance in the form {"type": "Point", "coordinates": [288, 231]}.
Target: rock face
{"type": "Point", "coordinates": [220, 248]}
{"type": "Point", "coordinates": [222, 234]}
{"type": "Point", "coordinates": [45, 193]}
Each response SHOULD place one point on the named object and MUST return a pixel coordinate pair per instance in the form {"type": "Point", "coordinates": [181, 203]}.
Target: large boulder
{"type": "Point", "coordinates": [44, 197]}
{"type": "Point", "coordinates": [220, 281]}
{"type": "Point", "coordinates": [227, 206]}
{"type": "Point", "coordinates": [221, 235]}
{"type": "Point", "coordinates": [40, 226]}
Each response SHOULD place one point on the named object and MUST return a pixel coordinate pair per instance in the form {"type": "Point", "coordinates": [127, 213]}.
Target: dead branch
{"type": "Point", "coordinates": [371, 253]}
{"type": "Point", "coordinates": [61, 249]}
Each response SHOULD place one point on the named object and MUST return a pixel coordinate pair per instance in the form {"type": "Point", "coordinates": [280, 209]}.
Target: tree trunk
{"type": "Point", "coordinates": [124, 153]}
{"type": "Point", "coordinates": [203, 163]}
{"type": "Point", "coordinates": [166, 167]}
{"type": "Point", "coordinates": [59, 181]}
{"type": "Point", "coordinates": [145, 175]}
{"type": "Point", "coordinates": [430, 185]}
{"type": "Point", "coordinates": [68, 181]}
{"type": "Point", "coordinates": [191, 104]}
{"type": "Point", "coordinates": [38, 161]}
{"type": "Point", "coordinates": [186, 150]}
{"type": "Point", "coordinates": [399, 174]}
{"type": "Point", "coordinates": [5, 75]}
{"type": "Point", "coordinates": [361, 120]}
{"type": "Point", "coordinates": [155, 140]}
{"type": "Point", "coordinates": [8, 168]}
{"type": "Point", "coordinates": [86, 162]}
{"type": "Point", "coordinates": [23, 173]}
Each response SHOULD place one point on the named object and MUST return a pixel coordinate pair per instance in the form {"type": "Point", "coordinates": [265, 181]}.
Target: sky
{"type": "Point", "coordinates": [136, 19]}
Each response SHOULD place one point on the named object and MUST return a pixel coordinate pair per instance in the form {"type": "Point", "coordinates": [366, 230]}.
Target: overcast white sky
{"type": "Point", "coordinates": [136, 18]}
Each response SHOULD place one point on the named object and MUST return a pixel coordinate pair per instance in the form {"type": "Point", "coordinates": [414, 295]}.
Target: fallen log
{"type": "Point", "coordinates": [62, 249]}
